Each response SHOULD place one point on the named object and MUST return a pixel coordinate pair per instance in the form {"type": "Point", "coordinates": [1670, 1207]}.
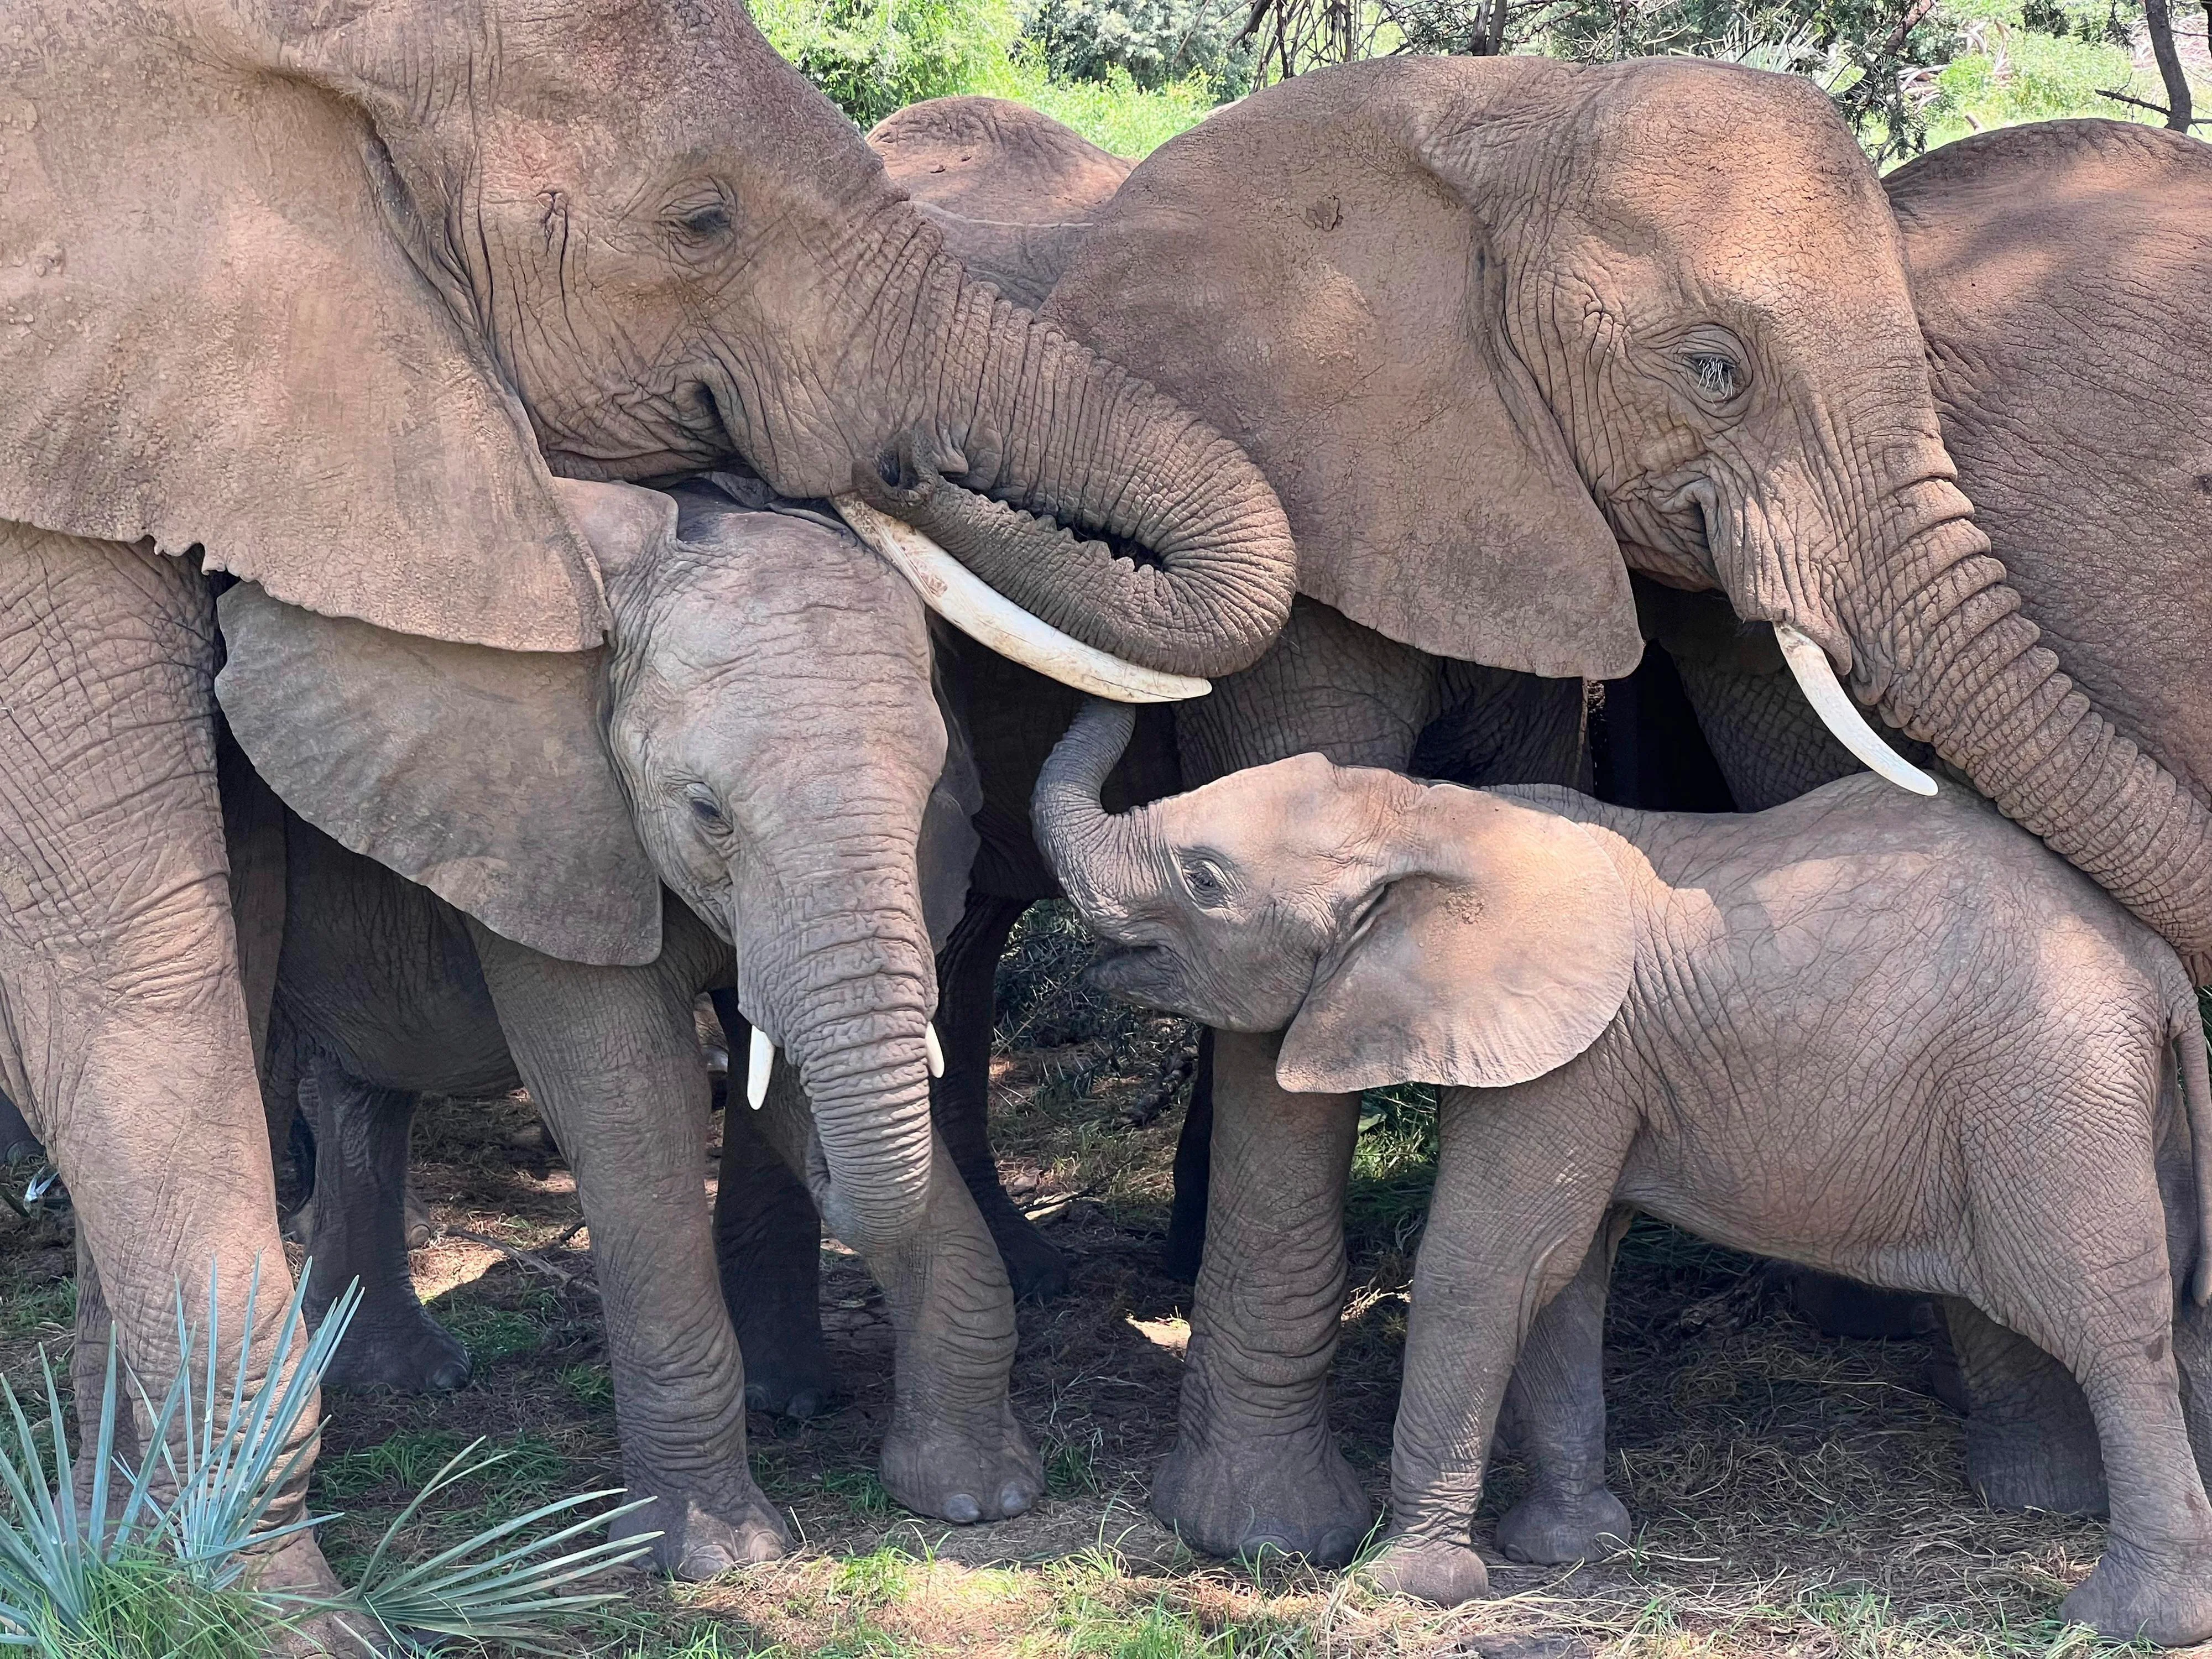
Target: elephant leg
{"type": "Point", "coordinates": [611, 1057]}
{"type": "Point", "coordinates": [954, 1450]}
{"type": "Point", "coordinates": [128, 1046]}
{"type": "Point", "coordinates": [1554, 1416]}
{"type": "Point", "coordinates": [1523, 1183]}
{"type": "Point", "coordinates": [2031, 1440]}
{"type": "Point", "coordinates": [1254, 1466]}
{"type": "Point", "coordinates": [1193, 1172]}
{"type": "Point", "coordinates": [960, 1100]}
{"type": "Point", "coordinates": [360, 1232]}
{"type": "Point", "coordinates": [768, 1251]}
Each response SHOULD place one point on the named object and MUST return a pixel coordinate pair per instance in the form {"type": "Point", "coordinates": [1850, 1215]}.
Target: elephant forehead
{"type": "Point", "coordinates": [1303, 806]}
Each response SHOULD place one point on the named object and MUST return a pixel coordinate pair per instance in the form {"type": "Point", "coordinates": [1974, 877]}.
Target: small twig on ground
{"type": "Point", "coordinates": [562, 1243]}
{"type": "Point", "coordinates": [529, 1259]}
{"type": "Point", "coordinates": [2155, 109]}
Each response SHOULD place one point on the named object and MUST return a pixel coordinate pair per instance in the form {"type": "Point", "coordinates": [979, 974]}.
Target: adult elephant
{"type": "Point", "coordinates": [1013, 192]}
{"type": "Point", "coordinates": [321, 293]}
{"type": "Point", "coordinates": [1501, 331]}
{"type": "Point", "coordinates": [2061, 277]}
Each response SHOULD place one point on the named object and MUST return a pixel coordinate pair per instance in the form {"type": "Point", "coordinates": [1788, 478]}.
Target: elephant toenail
{"type": "Point", "coordinates": [807, 1403]}
{"type": "Point", "coordinates": [1014, 1498]}
{"type": "Point", "coordinates": [961, 1510]}
{"type": "Point", "coordinates": [1336, 1548]}
{"type": "Point", "coordinates": [756, 1398]}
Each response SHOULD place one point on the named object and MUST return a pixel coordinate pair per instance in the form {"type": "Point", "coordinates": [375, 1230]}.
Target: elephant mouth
{"type": "Point", "coordinates": [1134, 973]}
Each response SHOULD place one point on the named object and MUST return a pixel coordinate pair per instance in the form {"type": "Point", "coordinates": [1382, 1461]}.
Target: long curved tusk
{"type": "Point", "coordinates": [933, 1049]}
{"type": "Point", "coordinates": [760, 1060]}
{"type": "Point", "coordinates": [980, 612]}
{"type": "Point", "coordinates": [1816, 678]}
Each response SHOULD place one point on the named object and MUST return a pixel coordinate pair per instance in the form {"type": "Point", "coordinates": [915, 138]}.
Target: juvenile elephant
{"type": "Point", "coordinates": [1890, 1037]}
{"type": "Point", "coordinates": [541, 789]}
{"type": "Point", "coordinates": [1501, 331]}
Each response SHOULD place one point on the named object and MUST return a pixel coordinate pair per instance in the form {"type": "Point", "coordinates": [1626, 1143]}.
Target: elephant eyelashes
{"type": "Point", "coordinates": [1716, 377]}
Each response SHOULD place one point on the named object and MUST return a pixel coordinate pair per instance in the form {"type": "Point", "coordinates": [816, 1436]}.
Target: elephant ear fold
{"type": "Point", "coordinates": [477, 772]}
{"type": "Point", "coordinates": [223, 333]}
{"type": "Point", "coordinates": [1292, 270]}
{"type": "Point", "coordinates": [1502, 962]}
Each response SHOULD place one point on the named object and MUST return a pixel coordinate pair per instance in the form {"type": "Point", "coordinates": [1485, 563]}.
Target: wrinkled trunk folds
{"type": "Point", "coordinates": [1093, 852]}
{"type": "Point", "coordinates": [1060, 437]}
{"type": "Point", "coordinates": [1952, 661]}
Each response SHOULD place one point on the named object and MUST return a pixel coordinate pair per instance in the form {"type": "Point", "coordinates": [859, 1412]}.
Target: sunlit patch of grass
{"type": "Point", "coordinates": [142, 1608]}
{"type": "Point", "coordinates": [878, 1578]}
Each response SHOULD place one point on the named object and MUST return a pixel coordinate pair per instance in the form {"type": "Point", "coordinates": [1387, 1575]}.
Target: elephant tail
{"type": "Point", "coordinates": [2186, 1028]}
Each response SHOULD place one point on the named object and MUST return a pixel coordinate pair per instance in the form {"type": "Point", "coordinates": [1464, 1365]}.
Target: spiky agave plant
{"type": "Point", "coordinates": [171, 1532]}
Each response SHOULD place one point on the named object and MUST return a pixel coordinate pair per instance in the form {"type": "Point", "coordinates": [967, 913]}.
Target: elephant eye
{"type": "Point", "coordinates": [1205, 882]}
{"type": "Point", "coordinates": [704, 807]}
{"type": "Point", "coordinates": [704, 219]}
{"type": "Point", "coordinates": [1718, 377]}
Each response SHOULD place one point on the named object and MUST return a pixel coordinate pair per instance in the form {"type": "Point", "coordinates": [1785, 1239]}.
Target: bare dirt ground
{"type": "Point", "coordinates": [1793, 1494]}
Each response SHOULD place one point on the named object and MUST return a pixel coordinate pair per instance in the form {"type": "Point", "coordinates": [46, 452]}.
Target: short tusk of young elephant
{"type": "Point", "coordinates": [980, 612]}
{"type": "Point", "coordinates": [933, 1049]}
{"type": "Point", "coordinates": [760, 1060]}
{"type": "Point", "coordinates": [1816, 678]}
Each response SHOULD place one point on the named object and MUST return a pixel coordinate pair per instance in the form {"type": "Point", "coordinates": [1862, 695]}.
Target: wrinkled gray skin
{"type": "Point", "coordinates": [323, 295]}
{"type": "Point", "coordinates": [1746, 1025]}
{"type": "Point", "coordinates": [2059, 277]}
{"type": "Point", "coordinates": [746, 649]}
{"type": "Point", "coordinates": [1456, 342]}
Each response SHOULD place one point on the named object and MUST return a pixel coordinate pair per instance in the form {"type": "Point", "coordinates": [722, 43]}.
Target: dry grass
{"type": "Point", "coordinates": [1796, 1495]}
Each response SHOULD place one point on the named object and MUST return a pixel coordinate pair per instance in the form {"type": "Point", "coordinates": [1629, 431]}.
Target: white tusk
{"type": "Point", "coordinates": [933, 1049]}
{"type": "Point", "coordinates": [760, 1060]}
{"type": "Point", "coordinates": [1816, 678]}
{"type": "Point", "coordinates": [980, 612]}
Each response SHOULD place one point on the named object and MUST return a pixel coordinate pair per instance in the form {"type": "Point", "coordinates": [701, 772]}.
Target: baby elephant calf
{"type": "Point", "coordinates": [1890, 1037]}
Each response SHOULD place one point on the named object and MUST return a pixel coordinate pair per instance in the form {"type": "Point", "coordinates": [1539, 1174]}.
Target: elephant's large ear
{"type": "Point", "coordinates": [215, 329]}
{"type": "Point", "coordinates": [1503, 961]}
{"type": "Point", "coordinates": [479, 773]}
{"type": "Point", "coordinates": [1296, 272]}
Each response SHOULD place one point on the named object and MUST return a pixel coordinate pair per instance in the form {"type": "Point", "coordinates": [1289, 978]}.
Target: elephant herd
{"type": "Point", "coordinates": [514, 518]}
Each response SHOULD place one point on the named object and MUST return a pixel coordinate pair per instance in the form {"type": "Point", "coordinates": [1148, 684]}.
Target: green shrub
{"type": "Point", "coordinates": [872, 56]}
{"type": "Point", "coordinates": [1154, 44]}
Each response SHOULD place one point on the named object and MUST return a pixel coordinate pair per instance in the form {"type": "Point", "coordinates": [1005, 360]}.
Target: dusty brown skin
{"type": "Point", "coordinates": [312, 289]}
{"type": "Point", "coordinates": [1814, 1031]}
{"type": "Point", "coordinates": [1012, 192]}
{"type": "Point", "coordinates": [1492, 369]}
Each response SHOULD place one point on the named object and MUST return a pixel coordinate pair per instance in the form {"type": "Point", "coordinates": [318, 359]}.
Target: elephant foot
{"type": "Point", "coordinates": [1551, 1528]}
{"type": "Point", "coordinates": [413, 1354]}
{"type": "Point", "coordinates": [787, 1368]}
{"type": "Point", "coordinates": [1430, 1569]}
{"type": "Point", "coordinates": [1292, 1498]}
{"type": "Point", "coordinates": [987, 1475]}
{"type": "Point", "coordinates": [1037, 1270]}
{"type": "Point", "coordinates": [293, 1567]}
{"type": "Point", "coordinates": [2017, 1468]}
{"type": "Point", "coordinates": [2137, 1595]}
{"type": "Point", "coordinates": [417, 1224]}
{"type": "Point", "coordinates": [703, 1536]}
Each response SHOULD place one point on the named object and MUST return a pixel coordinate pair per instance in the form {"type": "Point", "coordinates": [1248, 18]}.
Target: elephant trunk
{"type": "Point", "coordinates": [853, 1015]}
{"type": "Point", "coordinates": [1196, 569]}
{"type": "Point", "coordinates": [1094, 853]}
{"type": "Point", "coordinates": [1952, 662]}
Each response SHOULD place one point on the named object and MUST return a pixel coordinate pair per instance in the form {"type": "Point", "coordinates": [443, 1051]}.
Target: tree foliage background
{"type": "Point", "coordinates": [1131, 73]}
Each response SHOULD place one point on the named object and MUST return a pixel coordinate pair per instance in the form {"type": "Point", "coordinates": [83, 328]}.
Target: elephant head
{"type": "Point", "coordinates": [315, 286]}
{"type": "Point", "coordinates": [1500, 329]}
{"type": "Point", "coordinates": [1394, 931]}
{"type": "Point", "coordinates": [761, 734]}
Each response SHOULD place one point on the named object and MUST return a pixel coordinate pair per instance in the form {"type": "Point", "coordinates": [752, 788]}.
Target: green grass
{"type": "Point", "coordinates": [588, 1385]}
{"type": "Point", "coordinates": [405, 1459]}
{"type": "Point", "coordinates": [489, 1333]}
{"type": "Point", "coordinates": [37, 1310]}
{"type": "Point", "coordinates": [141, 1607]}
{"type": "Point", "coordinates": [862, 1489]}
